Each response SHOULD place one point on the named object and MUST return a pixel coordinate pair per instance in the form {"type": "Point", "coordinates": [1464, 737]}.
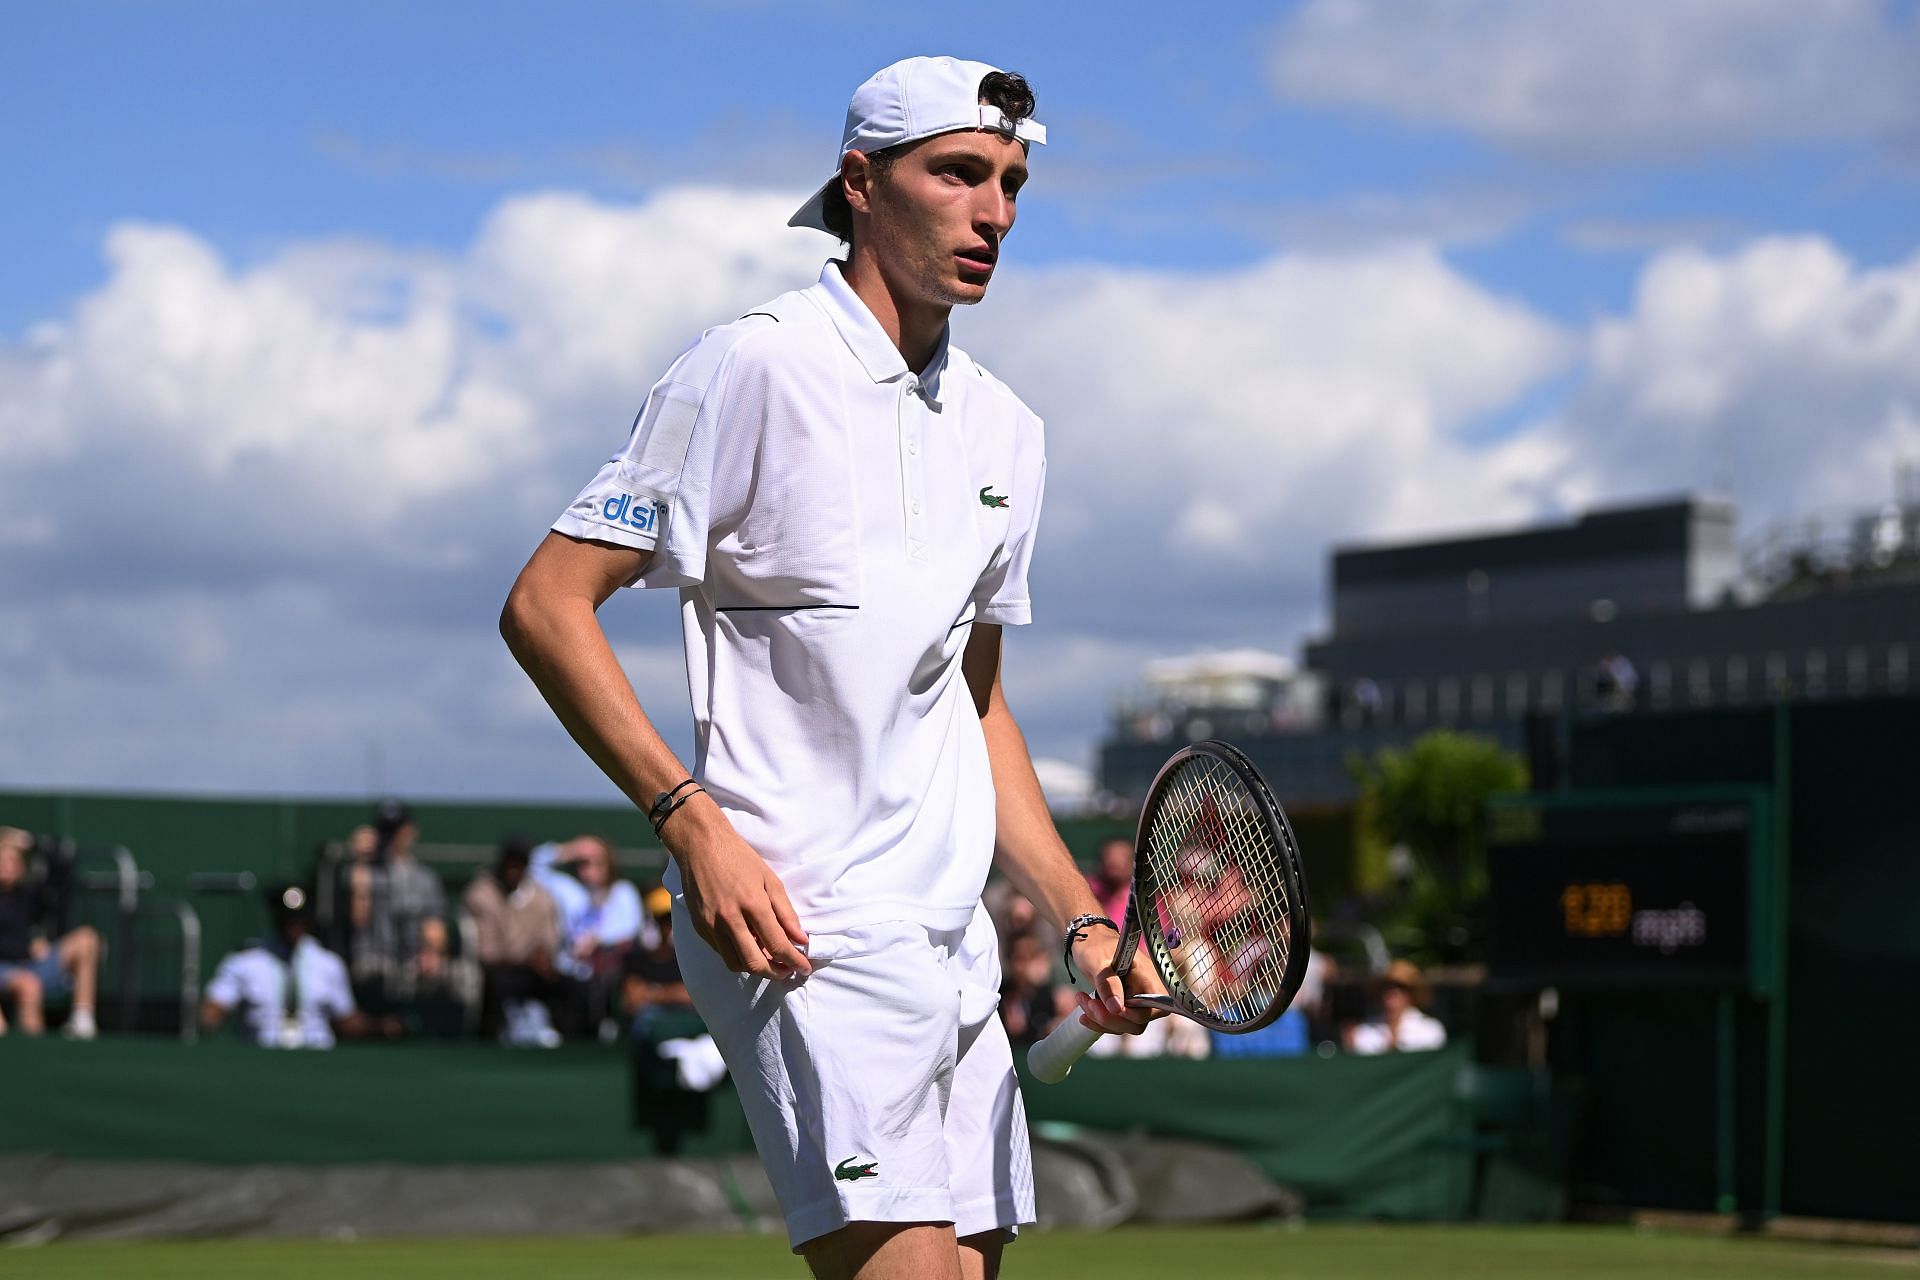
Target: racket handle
{"type": "Point", "coordinates": [1053, 1057]}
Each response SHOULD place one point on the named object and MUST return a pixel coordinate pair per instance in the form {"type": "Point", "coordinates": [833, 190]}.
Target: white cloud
{"type": "Point", "coordinates": [259, 517]}
{"type": "Point", "coordinates": [1068, 787]}
{"type": "Point", "coordinates": [1780, 370]}
{"type": "Point", "coordinates": [1577, 79]}
{"type": "Point", "coordinates": [1253, 413]}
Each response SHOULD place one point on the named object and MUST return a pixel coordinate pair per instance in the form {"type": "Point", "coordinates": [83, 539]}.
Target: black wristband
{"type": "Point", "coordinates": [1076, 930]}
{"type": "Point", "coordinates": [663, 803]}
{"type": "Point", "coordinates": [674, 803]}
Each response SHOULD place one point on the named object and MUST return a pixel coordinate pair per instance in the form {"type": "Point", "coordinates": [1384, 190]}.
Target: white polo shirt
{"type": "Point", "coordinates": [836, 525]}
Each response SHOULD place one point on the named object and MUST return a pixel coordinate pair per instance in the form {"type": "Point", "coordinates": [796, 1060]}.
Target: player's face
{"type": "Point", "coordinates": [939, 215]}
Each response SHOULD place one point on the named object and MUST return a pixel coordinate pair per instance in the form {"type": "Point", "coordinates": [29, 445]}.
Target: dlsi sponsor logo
{"type": "Point", "coordinates": [627, 511]}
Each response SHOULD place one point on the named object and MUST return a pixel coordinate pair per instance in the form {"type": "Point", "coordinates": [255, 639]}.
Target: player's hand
{"type": "Point", "coordinates": [738, 906]}
{"type": "Point", "coordinates": [1103, 1005]}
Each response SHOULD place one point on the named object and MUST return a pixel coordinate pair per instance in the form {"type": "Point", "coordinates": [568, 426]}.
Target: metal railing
{"type": "Point", "coordinates": [125, 881]}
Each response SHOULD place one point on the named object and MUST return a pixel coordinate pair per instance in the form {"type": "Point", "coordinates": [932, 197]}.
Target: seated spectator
{"type": "Point", "coordinates": [650, 972]}
{"type": "Point", "coordinates": [1032, 1003]}
{"type": "Point", "coordinates": [34, 968]}
{"type": "Point", "coordinates": [1013, 914]}
{"type": "Point", "coordinates": [1112, 877]}
{"type": "Point", "coordinates": [600, 916]}
{"type": "Point", "coordinates": [291, 992]}
{"type": "Point", "coordinates": [401, 951]}
{"type": "Point", "coordinates": [675, 1063]}
{"type": "Point", "coordinates": [517, 927]}
{"type": "Point", "coordinates": [353, 893]}
{"type": "Point", "coordinates": [1401, 1026]}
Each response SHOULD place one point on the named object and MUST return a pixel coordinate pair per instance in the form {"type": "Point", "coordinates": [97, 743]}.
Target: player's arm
{"type": "Point", "coordinates": [1028, 848]}
{"type": "Point", "coordinates": [552, 625]}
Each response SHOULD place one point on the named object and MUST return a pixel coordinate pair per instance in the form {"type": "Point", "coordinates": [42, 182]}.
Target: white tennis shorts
{"type": "Point", "coordinates": [880, 1088]}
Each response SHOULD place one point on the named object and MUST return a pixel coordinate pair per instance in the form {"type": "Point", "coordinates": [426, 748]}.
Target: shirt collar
{"type": "Point", "coordinates": [869, 342]}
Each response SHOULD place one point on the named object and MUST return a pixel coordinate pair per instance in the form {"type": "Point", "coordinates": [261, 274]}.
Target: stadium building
{"type": "Point", "coordinates": [1630, 609]}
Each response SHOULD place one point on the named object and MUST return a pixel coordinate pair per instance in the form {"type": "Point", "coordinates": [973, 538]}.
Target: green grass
{"type": "Point", "coordinates": [1216, 1253]}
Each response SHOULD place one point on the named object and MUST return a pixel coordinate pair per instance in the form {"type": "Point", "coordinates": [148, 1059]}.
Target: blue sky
{"type": "Point", "coordinates": [1286, 276]}
{"type": "Point", "coordinates": [259, 123]}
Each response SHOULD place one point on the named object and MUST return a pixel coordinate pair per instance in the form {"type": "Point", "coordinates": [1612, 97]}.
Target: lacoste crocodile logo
{"type": "Point", "coordinates": [991, 499]}
{"type": "Point", "coordinates": [851, 1170]}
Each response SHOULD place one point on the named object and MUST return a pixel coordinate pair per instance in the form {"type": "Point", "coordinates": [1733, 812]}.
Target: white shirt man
{"type": "Point", "coordinates": [1413, 1032]}
{"type": "Point", "coordinates": [847, 504]}
{"type": "Point", "coordinates": [590, 918]}
{"type": "Point", "coordinates": [290, 1001]}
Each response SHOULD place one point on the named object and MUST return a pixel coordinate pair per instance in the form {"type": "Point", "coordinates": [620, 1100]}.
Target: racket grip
{"type": "Point", "coordinates": [1053, 1057]}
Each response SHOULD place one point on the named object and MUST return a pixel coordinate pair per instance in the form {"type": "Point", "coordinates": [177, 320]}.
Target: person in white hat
{"type": "Point", "coordinates": [848, 505]}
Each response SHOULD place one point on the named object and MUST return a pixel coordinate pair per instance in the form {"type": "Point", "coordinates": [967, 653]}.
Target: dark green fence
{"type": "Point", "coordinates": [1843, 775]}
{"type": "Point", "coordinates": [177, 841]}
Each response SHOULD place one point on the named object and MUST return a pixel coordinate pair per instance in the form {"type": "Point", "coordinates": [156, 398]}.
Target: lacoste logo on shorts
{"type": "Point", "coordinates": [991, 499]}
{"type": "Point", "coordinates": [851, 1170]}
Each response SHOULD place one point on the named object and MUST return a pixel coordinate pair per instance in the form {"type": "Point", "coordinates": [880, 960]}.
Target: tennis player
{"type": "Point", "coordinates": [847, 504]}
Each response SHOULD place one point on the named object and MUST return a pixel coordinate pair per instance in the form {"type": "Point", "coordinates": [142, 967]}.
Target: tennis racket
{"type": "Point", "coordinates": [1218, 901]}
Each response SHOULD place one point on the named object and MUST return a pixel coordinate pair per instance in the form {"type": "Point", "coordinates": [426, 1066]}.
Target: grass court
{"type": "Point", "coordinates": [1148, 1253]}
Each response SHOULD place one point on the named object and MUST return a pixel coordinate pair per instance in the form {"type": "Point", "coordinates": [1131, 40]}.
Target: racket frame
{"type": "Point", "coordinates": [1053, 1057]}
{"type": "Point", "coordinates": [1299, 919]}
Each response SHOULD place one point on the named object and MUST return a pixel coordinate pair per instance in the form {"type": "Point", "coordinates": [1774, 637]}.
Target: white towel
{"type": "Point", "coordinates": [697, 1063]}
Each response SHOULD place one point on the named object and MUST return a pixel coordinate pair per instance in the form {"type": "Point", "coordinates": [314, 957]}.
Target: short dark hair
{"type": "Point", "coordinates": [515, 851]}
{"type": "Point", "coordinates": [1001, 89]}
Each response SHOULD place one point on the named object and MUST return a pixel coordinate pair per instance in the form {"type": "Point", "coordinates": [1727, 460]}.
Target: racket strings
{"type": "Point", "coordinates": [1221, 904]}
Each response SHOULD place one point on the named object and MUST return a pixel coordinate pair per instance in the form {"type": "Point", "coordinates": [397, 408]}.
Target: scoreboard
{"type": "Point", "coordinates": [1625, 888]}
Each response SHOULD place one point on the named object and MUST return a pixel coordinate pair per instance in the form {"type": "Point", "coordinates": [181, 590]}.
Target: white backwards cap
{"type": "Point", "coordinates": [915, 98]}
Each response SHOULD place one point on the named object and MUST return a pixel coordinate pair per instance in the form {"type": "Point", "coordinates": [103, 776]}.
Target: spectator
{"type": "Point", "coordinates": [1112, 877]}
{"type": "Point", "coordinates": [1615, 682]}
{"type": "Point", "coordinates": [1032, 1003]}
{"type": "Point", "coordinates": [353, 893]}
{"type": "Point", "coordinates": [1013, 915]}
{"type": "Point", "coordinates": [34, 968]}
{"type": "Point", "coordinates": [292, 993]}
{"type": "Point", "coordinates": [600, 917]}
{"type": "Point", "coordinates": [518, 941]}
{"type": "Point", "coordinates": [675, 1062]}
{"type": "Point", "coordinates": [403, 948]}
{"type": "Point", "coordinates": [1401, 1026]}
{"type": "Point", "coordinates": [650, 971]}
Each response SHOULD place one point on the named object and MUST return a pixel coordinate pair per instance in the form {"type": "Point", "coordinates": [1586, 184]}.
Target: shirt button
{"type": "Point", "coordinates": [913, 446]}
{"type": "Point", "coordinates": [916, 508]}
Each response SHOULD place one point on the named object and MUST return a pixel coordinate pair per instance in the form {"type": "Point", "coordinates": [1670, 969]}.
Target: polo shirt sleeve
{"type": "Point", "coordinates": [1002, 596]}
{"type": "Point", "coordinates": [657, 493]}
